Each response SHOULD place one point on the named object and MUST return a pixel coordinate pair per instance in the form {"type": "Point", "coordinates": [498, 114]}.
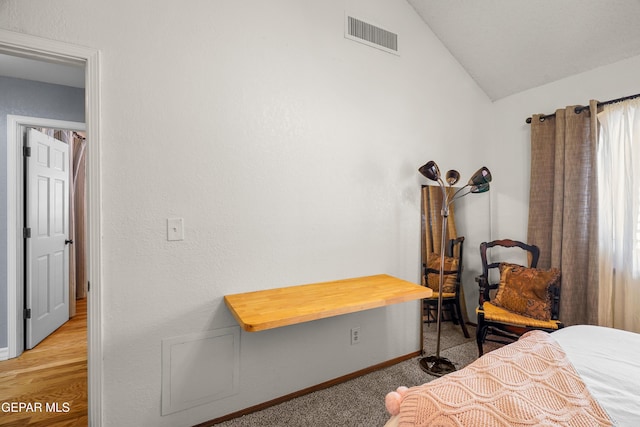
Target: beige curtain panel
{"type": "Point", "coordinates": [563, 207]}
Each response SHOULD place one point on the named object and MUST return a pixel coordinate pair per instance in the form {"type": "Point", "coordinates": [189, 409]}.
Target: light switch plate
{"type": "Point", "coordinates": [175, 229]}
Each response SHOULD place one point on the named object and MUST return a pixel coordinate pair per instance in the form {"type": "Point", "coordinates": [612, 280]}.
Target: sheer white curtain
{"type": "Point", "coordinates": [619, 209]}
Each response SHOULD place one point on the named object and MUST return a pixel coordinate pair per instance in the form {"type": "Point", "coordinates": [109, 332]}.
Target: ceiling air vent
{"type": "Point", "coordinates": [371, 35]}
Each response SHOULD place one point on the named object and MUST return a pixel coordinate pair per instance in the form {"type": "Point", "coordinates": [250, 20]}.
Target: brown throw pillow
{"type": "Point", "coordinates": [525, 290]}
{"type": "Point", "coordinates": [433, 280]}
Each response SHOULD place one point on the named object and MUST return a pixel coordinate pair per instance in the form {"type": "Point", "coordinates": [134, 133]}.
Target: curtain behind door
{"type": "Point", "coordinates": [80, 215]}
{"type": "Point", "coordinates": [563, 207]}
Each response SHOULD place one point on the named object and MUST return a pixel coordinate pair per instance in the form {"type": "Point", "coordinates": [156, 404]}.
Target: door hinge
{"type": "Point", "coordinates": [88, 286]}
{"type": "Point", "coordinates": [26, 151]}
{"type": "Point", "coordinates": [27, 313]}
{"type": "Point", "coordinates": [26, 233]}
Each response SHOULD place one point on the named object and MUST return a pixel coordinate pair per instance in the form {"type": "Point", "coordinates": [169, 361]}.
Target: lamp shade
{"type": "Point", "coordinates": [482, 176]}
{"type": "Point", "coordinates": [452, 176]}
{"type": "Point", "coordinates": [481, 188]}
{"type": "Point", "coordinates": [430, 170]}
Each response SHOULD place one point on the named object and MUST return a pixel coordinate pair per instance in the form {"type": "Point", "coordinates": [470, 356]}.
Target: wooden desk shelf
{"type": "Point", "coordinates": [273, 308]}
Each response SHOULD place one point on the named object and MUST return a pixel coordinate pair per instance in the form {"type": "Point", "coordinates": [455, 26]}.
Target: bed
{"type": "Point", "coordinates": [579, 375]}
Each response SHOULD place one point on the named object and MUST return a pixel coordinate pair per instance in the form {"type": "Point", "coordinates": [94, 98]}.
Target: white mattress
{"type": "Point", "coordinates": [608, 360]}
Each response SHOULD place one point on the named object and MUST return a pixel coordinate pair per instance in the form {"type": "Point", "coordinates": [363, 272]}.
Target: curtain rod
{"type": "Point", "coordinates": [580, 109]}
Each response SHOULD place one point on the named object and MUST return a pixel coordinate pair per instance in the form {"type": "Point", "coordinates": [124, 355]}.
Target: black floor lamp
{"type": "Point", "coordinates": [479, 183]}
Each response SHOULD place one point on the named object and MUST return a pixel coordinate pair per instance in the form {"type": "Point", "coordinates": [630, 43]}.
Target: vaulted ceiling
{"type": "Point", "coordinates": [509, 46]}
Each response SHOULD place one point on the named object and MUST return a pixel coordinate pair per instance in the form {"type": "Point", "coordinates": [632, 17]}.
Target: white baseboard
{"type": "Point", "coordinates": [4, 353]}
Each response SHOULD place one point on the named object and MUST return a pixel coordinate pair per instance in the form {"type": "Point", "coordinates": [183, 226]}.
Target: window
{"type": "Point", "coordinates": [618, 162]}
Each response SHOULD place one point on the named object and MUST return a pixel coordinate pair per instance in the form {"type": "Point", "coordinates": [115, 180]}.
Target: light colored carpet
{"type": "Point", "coordinates": [360, 402]}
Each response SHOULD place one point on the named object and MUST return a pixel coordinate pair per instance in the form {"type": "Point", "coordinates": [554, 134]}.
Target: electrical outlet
{"type": "Point", "coordinates": [355, 335]}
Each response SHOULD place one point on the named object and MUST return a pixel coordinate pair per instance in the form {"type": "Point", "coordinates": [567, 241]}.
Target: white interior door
{"type": "Point", "coordinates": [47, 223]}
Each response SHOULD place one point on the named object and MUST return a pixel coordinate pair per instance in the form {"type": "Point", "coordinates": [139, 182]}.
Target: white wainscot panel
{"type": "Point", "coordinates": [199, 368]}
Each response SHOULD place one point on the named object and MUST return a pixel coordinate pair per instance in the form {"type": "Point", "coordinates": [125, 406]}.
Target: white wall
{"type": "Point", "coordinates": [292, 155]}
{"type": "Point", "coordinates": [509, 135]}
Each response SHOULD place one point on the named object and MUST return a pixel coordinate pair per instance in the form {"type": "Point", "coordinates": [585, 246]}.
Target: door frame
{"type": "Point", "coordinates": [15, 221]}
{"type": "Point", "coordinates": [32, 47]}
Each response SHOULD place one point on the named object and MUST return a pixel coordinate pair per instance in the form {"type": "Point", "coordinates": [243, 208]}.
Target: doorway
{"type": "Point", "coordinates": [39, 324]}
{"type": "Point", "coordinates": [46, 50]}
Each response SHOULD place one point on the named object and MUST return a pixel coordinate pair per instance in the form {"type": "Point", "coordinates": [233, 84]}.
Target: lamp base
{"type": "Point", "coordinates": [437, 366]}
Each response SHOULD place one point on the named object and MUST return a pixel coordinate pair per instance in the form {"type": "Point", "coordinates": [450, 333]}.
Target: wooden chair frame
{"type": "Point", "coordinates": [507, 332]}
{"type": "Point", "coordinates": [453, 302]}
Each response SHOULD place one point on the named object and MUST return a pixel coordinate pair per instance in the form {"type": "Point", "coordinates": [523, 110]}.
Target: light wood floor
{"type": "Point", "coordinates": [54, 372]}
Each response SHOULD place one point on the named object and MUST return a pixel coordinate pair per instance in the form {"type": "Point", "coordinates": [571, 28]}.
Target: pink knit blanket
{"type": "Point", "coordinates": [530, 382]}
